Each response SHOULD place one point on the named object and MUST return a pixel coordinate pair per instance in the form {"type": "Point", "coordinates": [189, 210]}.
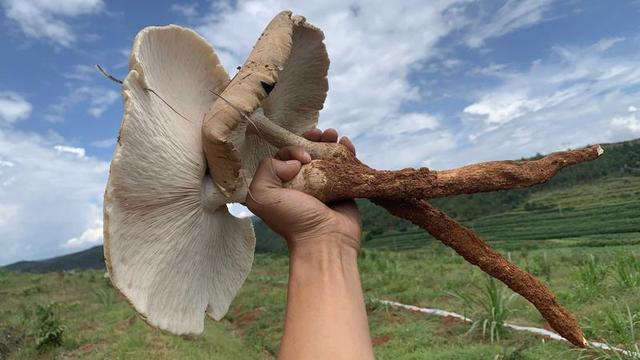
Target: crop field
{"type": "Point", "coordinates": [604, 213]}
{"type": "Point", "coordinates": [600, 285]}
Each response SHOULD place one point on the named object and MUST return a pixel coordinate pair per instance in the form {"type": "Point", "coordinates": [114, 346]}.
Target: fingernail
{"type": "Point", "coordinates": [292, 162]}
{"type": "Point", "coordinates": [306, 157]}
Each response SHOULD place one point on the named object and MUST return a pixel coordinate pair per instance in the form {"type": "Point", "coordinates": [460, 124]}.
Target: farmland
{"type": "Point", "coordinates": [595, 214]}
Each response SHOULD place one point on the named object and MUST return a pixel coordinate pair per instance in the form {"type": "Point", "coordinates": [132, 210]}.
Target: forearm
{"type": "Point", "coordinates": [326, 316]}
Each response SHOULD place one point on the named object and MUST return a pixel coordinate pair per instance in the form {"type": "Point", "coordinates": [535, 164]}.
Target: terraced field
{"type": "Point", "coordinates": [608, 210]}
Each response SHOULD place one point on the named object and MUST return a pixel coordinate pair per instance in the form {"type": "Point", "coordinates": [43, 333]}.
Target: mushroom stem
{"type": "Point", "coordinates": [280, 137]}
{"type": "Point", "coordinates": [473, 249]}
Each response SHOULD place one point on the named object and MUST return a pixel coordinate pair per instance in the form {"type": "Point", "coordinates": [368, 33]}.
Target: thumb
{"type": "Point", "coordinates": [272, 173]}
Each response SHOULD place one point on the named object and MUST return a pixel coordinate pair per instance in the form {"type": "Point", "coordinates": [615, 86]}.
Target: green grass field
{"type": "Point", "coordinates": [101, 325]}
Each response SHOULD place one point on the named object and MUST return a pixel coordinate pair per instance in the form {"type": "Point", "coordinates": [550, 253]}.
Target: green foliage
{"type": "Point", "coordinates": [592, 273]}
{"type": "Point", "coordinates": [49, 329]}
{"type": "Point", "coordinates": [627, 269]}
{"type": "Point", "coordinates": [623, 325]}
{"type": "Point", "coordinates": [489, 309]}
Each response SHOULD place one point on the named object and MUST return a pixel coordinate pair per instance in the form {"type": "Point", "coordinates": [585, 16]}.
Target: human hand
{"type": "Point", "coordinates": [300, 218]}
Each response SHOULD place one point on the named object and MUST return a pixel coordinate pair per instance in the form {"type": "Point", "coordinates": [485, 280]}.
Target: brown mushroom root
{"type": "Point", "coordinates": [341, 177]}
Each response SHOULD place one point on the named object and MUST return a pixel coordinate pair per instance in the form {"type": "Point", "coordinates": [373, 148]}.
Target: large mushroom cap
{"type": "Point", "coordinates": [171, 246]}
{"type": "Point", "coordinates": [285, 77]}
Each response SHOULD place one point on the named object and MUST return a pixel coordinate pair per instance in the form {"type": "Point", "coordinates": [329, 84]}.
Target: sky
{"type": "Point", "coordinates": [438, 83]}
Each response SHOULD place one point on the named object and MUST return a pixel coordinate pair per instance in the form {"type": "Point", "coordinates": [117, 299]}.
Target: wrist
{"type": "Point", "coordinates": [328, 248]}
{"type": "Point", "coordinates": [322, 263]}
{"type": "Point", "coordinates": [330, 244]}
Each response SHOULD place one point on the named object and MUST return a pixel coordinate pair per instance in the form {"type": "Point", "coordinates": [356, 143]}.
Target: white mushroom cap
{"type": "Point", "coordinates": [285, 77]}
{"type": "Point", "coordinates": [171, 247]}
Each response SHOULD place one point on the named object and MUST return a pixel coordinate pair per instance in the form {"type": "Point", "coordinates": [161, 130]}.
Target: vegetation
{"type": "Point", "coordinates": [425, 277]}
{"type": "Point", "coordinates": [489, 308]}
{"type": "Point", "coordinates": [49, 327]}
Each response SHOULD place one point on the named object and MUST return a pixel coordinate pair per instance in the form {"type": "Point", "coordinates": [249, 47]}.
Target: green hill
{"type": "Point", "coordinates": [84, 260]}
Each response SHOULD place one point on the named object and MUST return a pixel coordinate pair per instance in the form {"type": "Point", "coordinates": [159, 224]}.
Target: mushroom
{"type": "Point", "coordinates": [255, 105]}
{"type": "Point", "coordinates": [171, 246]}
{"type": "Point", "coordinates": [275, 96]}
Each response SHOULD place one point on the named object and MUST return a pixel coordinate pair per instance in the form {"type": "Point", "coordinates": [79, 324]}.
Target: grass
{"type": "Point", "coordinates": [489, 308]}
{"type": "Point", "coordinates": [427, 277]}
{"type": "Point", "coordinates": [98, 325]}
{"type": "Point", "coordinates": [628, 271]}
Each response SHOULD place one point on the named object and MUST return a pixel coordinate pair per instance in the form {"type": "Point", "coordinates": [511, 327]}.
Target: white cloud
{"type": "Point", "coordinates": [411, 123]}
{"type": "Point", "coordinates": [13, 107]}
{"type": "Point", "coordinates": [8, 213]}
{"type": "Point", "coordinates": [48, 19]}
{"type": "Point", "coordinates": [504, 107]}
{"type": "Point", "coordinates": [629, 122]}
{"type": "Point", "coordinates": [104, 143]}
{"type": "Point", "coordinates": [76, 151]}
{"type": "Point", "coordinates": [46, 197]}
{"type": "Point", "coordinates": [512, 16]}
{"type": "Point", "coordinates": [97, 99]}
{"type": "Point", "coordinates": [578, 96]}
{"type": "Point", "coordinates": [92, 235]}
{"type": "Point", "coordinates": [82, 72]}
{"type": "Point", "coordinates": [4, 163]}
{"type": "Point", "coordinates": [187, 10]}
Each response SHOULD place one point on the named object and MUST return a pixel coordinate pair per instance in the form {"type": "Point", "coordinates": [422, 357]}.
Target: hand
{"type": "Point", "coordinates": [300, 218]}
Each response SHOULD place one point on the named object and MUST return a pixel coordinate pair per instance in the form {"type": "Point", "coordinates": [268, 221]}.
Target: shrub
{"type": "Point", "coordinates": [49, 329]}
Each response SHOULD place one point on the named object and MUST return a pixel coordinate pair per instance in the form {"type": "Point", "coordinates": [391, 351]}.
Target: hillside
{"type": "Point", "coordinates": [84, 260]}
{"type": "Point", "coordinates": [597, 201]}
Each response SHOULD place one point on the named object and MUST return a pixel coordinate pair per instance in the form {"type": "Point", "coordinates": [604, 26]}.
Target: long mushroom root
{"type": "Point", "coordinates": [473, 249]}
{"type": "Point", "coordinates": [342, 177]}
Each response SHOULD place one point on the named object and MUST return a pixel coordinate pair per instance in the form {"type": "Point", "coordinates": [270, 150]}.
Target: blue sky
{"type": "Point", "coordinates": [413, 83]}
